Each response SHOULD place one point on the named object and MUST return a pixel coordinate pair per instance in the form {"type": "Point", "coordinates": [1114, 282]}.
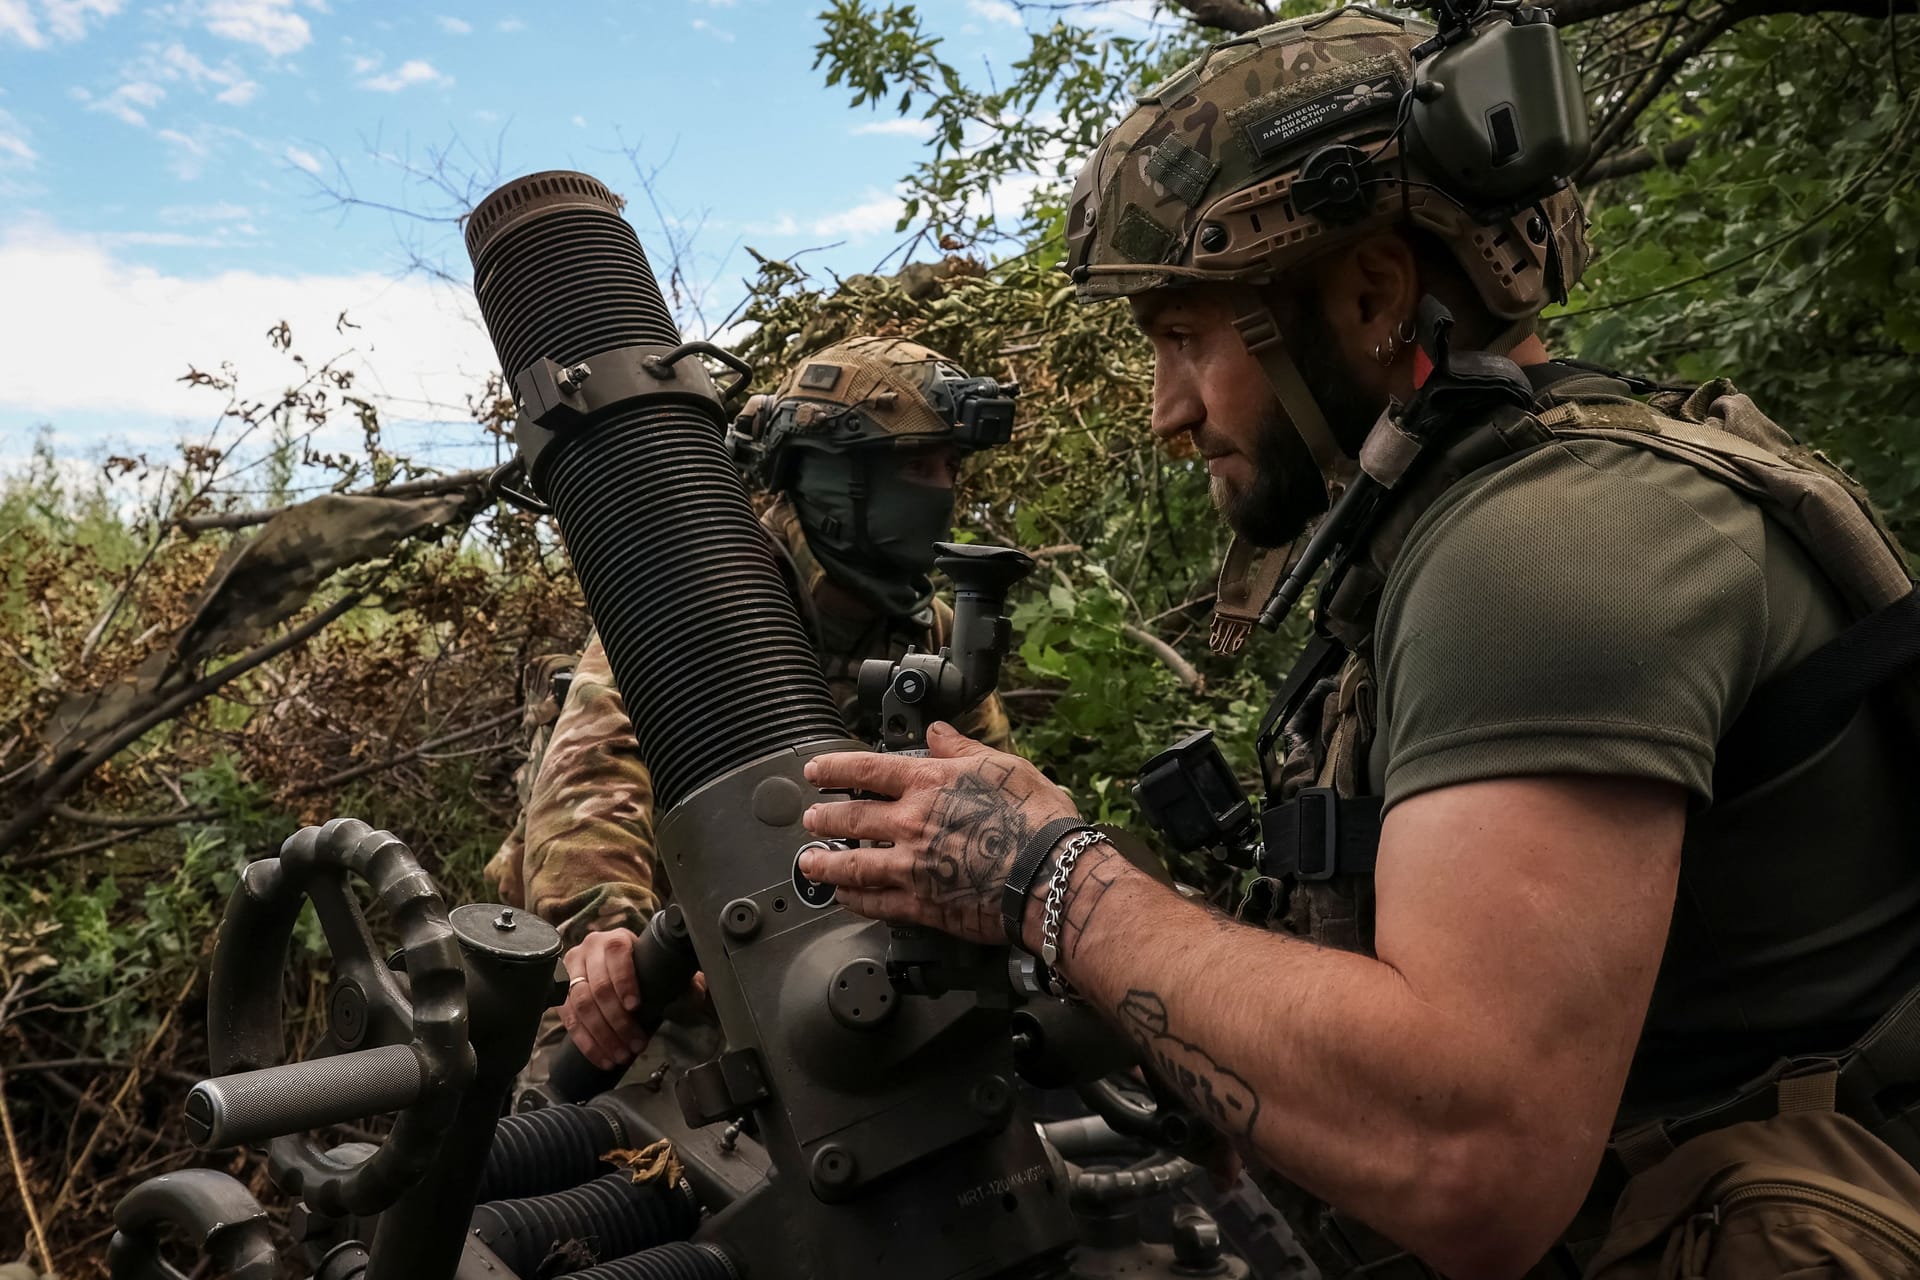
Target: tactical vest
{"type": "Point", "coordinates": [1321, 830]}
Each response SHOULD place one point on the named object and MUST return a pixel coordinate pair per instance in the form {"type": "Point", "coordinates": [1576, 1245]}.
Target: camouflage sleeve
{"type": "Point", "coordinates": [988, 723]}
{"type": "Point", "coordinates": [539, 708]}
{"type": "Point", "coordinates": [589, 861]}
{"type": "Point", "coordinates": [503, 869]}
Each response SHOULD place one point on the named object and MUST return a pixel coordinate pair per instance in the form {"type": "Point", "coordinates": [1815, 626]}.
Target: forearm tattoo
{"type": "Point", "coordinates": [974, 832]}
{"type": "Point", "coordinates": [1223, 1098]}
{"type": "Point", "coordinates": [1104, 865]}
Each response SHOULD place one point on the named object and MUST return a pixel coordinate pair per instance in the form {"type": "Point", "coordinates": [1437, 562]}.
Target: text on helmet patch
{"type": "Point", "coordinates": [820, 377]}
{"type": "Point", "coordinates": [1278, 130]}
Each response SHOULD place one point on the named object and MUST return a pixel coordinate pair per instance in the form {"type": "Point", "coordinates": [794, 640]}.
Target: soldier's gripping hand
{"type": "Point", "coordinates": [958, 818]}
{"type": "Point", "coordinates": [603, 995]}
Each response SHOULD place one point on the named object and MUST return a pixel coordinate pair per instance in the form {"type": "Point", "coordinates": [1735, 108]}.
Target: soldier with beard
{"type": "Point", "coordinates": [860, 447]}
{"type": "Point", "coordinates": [1586, 857]}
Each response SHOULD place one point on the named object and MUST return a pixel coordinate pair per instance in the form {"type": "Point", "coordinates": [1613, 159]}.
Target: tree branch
{"type": "Point", "coordinates": [1634, 160]}
{"type": "Point", "coordinates": [1237, 16]}
{"type": "Point", "coordinates": [1569, 12]}
{"type": "Point", "coordinates": [124, 822]}
{"type": "Point", "coordinates": [411, 753]}
{"type": "Point", "coordinates": [1185, 671]}
{"type": "Point", "coordinates": [22, 1181]}
{"type": "Point", "coordinates": [1662, 75]}
{"type": "Point", "coordinates": [55, 791]}
{"type": "Point", "coordinates": [412, 488]}
{"type": "Point", "coordinates": [51, 856]}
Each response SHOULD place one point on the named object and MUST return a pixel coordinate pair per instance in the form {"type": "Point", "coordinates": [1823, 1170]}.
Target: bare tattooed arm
{"type": "Point", "coordinates": [1455, 1092]}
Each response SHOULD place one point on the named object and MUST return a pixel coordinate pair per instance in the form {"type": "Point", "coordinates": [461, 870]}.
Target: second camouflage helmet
{"type": "Point", "coordinates": [1276, 145]}
{"type": "Point", "coordinates": [866, 392]}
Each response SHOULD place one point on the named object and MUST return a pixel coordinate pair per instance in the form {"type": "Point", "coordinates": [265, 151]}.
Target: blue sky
{"type": "Point", "coordinates": [164, 171]}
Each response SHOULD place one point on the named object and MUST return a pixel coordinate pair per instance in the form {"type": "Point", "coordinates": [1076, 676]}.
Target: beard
{"type": "Point", "coordinates": [1287, 491]}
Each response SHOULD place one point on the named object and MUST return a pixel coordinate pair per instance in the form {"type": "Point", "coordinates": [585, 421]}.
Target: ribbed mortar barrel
{"type": "Point", "coordinates": [697, 623]}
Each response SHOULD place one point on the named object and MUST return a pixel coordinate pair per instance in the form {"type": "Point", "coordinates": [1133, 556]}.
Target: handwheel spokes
{"type": "Point", "coordinates": [380, 1013]}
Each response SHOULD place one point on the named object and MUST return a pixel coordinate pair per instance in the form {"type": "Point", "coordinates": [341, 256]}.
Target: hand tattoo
{"type": "Point", "coordinates": [1223, 1098]}
{"type": "Point", "coordinates": [973, 834]}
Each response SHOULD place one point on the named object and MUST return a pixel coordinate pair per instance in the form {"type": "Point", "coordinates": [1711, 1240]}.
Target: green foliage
{"type": "Point", "coordinates": [1785, 253]}
{"type": "Point", "coordinates": [1016, 139]}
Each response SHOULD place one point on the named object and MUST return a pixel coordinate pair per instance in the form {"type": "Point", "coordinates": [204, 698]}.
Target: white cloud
{"type": "Point", "coordinates": [902, 128]}
{"type": "Point", "coordinates": [875, 215]}
{"type": "Point", "coordinates": [159, 239]}
{"type": "Point", "coordinates": [416, 341]}
{"type": "Point", "coordinates": [189, 157]}
{"type": "Point", "coordinates": [580, 122]}
{"type": "Point", "coordinates": [221, 211]}
{"type": "Point", "coordinates": [364, 63]}
{"type": "Point", "coordinates": [411, 72]}
{"type": "Point", "coordinates": [142, 79]}
{"type": "Point", "coordinates": [16, 22]}
{"type": "Point", "coordinates": [68, 19]}
{"type": "Point", "coordinates": [131, 101]}
{"type": "Point", "coordinates": [272, 25]}
{"type": "Point", "coordinates": [510, 25]}
{"type": "Point", "coordinates": [996, 11]}
{"type": "Point", "coordinates": [454, 26]}
{"type": "Point", "coordinates": [1130, 17]}
{"type": "Point", "coordinates": [868, 218]}
{"type": "Point", "coordinates": [15, 151]}
{"type": "Point", "coordinates": [177, 62]}
{"type": "Point", "coordinates": [303, 160]}
{"type": "Point", "coordinates": [701, 24]}
{"type": "Point", "coordinates": [784, 225]}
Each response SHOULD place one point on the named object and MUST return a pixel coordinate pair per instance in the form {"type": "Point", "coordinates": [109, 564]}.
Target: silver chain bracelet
{"type": "Point", "coordinates": [1056, 905]}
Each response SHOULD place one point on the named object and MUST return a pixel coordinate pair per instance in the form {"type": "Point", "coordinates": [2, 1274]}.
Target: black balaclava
{"type": "Point", "coordinates": [872, 530]}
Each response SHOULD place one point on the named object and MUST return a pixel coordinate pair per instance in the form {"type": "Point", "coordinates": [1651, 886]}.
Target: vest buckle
{"type": "Point", "coordinates": [1316, 839]}
{"type": "Point", "coordinates": [1318, 835]}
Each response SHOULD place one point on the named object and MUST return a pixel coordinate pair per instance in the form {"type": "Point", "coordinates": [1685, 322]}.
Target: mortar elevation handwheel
{"type": "Point", "coordinates": [396, 1042]}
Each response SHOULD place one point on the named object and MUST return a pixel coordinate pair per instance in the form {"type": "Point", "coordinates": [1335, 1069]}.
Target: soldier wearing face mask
{"type": "Point", "coordinates": [859, 446]}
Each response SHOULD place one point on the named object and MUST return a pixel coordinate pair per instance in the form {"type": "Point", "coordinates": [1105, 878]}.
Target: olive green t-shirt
{"type": "Point", "coordinates": [1592, 608]}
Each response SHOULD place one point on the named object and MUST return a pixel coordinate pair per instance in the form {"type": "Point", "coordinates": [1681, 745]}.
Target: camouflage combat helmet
{"type": "Point", "coordinates": [1208, 178]}
{"type": "Point", "coordinates": [871, 392]}
{"type": "Point", "coordinates": [1275, 147]}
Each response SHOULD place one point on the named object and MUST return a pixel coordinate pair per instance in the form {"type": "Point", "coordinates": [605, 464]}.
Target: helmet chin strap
{"type": "Point", "coordinates": [1251, 575]}
{"type": "Point", "coordinates": [1259, 329]}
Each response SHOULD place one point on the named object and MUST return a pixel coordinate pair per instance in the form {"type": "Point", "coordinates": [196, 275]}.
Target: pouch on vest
{"type": "Point", "coordinates": [1807, 1194]}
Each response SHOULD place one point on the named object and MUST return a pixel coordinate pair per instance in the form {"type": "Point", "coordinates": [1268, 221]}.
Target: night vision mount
{"type": "Point", "coordinates": [980, 412]}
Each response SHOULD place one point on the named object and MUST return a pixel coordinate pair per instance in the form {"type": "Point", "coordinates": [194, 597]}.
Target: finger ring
{"type": "Point", "coordinates": [576, 982]}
